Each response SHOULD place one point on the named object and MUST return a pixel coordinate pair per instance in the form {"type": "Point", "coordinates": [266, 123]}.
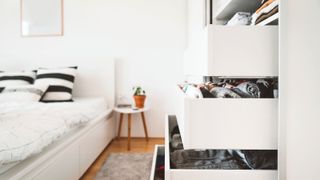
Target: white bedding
{"type": "Point", "coordinates": [26, 129]}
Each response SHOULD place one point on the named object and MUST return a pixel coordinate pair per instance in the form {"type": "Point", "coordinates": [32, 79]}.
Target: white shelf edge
{"type": "Point", "coordinates": [269, 20]}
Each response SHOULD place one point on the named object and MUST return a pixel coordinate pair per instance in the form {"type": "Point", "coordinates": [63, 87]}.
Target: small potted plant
{"type": "Point", "coordinates": [139, 96]}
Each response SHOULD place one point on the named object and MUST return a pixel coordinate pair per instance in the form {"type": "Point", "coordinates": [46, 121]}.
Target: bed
{"type": "Point", "coordinates": [77, 133]}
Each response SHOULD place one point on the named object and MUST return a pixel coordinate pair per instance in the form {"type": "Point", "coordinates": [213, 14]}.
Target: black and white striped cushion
{"type": "Point", "coordinates": [16, 78]}
{"type": "Point", "coordinates": [60, 82]}
{"type": "Point", "coordinates": [26, 93]}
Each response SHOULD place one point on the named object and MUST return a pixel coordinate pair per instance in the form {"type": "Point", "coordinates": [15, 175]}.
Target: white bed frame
{"type": "Point", "coordinates": [71, 156]}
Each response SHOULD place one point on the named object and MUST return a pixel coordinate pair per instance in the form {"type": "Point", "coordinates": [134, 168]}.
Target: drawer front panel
{"type": "Point", "coordinates": [243, 51]}
{"type": "Point", "coordinates": [231, 123]}
{"type": "Point", "coordinates": [65, 167]}
{"type": "Point", "coordinates": [223, 175]}
{"type": "Point", "coordinates": [94, 142]}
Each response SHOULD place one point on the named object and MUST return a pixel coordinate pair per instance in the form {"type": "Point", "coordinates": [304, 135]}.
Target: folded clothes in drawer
{"type": "Point", "coordinates": [227, 159]}
{"type": "Point", "coordinates": [224, 159]}
{"type": "Point", "coordinates": [216, 87]}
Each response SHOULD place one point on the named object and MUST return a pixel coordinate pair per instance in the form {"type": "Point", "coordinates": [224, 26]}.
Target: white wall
{"type": "Point", "coordinates": [147, 38]}
{"type": "Point", "coordinates": [299, 89]}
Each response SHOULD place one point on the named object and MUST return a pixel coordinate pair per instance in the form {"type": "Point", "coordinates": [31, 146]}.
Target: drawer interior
{"type": "Point", "coordinates": [221, 159]}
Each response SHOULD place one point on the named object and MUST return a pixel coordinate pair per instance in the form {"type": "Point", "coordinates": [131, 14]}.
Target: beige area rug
{"type": "Point", "coordinates": [126, 166]}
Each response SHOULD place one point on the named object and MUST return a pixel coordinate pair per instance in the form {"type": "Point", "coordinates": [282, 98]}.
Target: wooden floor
{"type": "Point", "coordinates": [120, 145]}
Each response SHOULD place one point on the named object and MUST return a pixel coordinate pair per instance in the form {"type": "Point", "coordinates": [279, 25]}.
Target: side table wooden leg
{"type": "Point", "coordinates": [120, 124]}
{"type": "Point", "coordinates": [145, 126]}
{"type": "Point", "coordinates": [129, 132]}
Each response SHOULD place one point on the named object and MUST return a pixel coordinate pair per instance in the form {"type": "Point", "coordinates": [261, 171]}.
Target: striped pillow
{"type": "Point", "coordinates": [27, 93]}
{"type": "Point", "coordinates": [60, 82]}
{"type": "Point", "coordinates": [16, 78]}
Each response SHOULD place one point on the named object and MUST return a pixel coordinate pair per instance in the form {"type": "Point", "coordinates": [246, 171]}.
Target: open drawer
{"type": "Point", "coordinates": [157, 170]}
{"type": "Point", "coordinates": [220, 123]}
{"type": "Point", "coordinates": [172, 173]}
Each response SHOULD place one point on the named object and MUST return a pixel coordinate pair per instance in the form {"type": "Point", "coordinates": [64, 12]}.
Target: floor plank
{"type": "Point", "coordinates": [120, 145]}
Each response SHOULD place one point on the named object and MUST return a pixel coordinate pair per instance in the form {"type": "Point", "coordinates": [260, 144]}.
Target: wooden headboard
{"type": "Point", "coordinates": [95, 77]}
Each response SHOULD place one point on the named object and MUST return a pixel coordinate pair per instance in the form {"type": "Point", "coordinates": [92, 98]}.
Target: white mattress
{"type": "Point", "coordinates": [26, 129]}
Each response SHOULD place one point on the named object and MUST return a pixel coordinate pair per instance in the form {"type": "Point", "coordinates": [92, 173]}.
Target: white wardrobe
{"type": "Point", "coordinates": [233, 52]}
{"type": "Point", "coordinates": [289, 51]}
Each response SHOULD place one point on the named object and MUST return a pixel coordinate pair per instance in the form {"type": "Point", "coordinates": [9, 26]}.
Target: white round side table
{"type": "Point", "coordinates": [129, 112]}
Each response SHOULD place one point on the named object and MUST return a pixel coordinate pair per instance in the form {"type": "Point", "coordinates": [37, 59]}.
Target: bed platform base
{"type": "Point", "coordinates": [70, 157]}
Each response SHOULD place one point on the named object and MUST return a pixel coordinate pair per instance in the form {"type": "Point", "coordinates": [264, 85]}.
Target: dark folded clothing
{"type": "Point", "coordinates": [203, 159]}
{"type": "Point", "coordinates": [240, 88]}
{"type": "Point", "coordinates": [206, 93]}
{"type": "Point", "coordinates": [266, 87]}
{"type": "Point", "coordinates": [262, 159]}
{"type": "Point", "coordinates": [224, 159]}
{"type": "Point", "coordinates": [220, 92]}
{"type": "Point", "coordinates": [248, 89]}
{"type": "Point", "coordinates": [240, 93]}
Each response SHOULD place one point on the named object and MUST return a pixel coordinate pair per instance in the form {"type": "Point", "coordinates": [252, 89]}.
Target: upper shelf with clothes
{"type": "Point", "coordinates": [243, 12]}
{"type": "Point", "coordinates": [214, 49]}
